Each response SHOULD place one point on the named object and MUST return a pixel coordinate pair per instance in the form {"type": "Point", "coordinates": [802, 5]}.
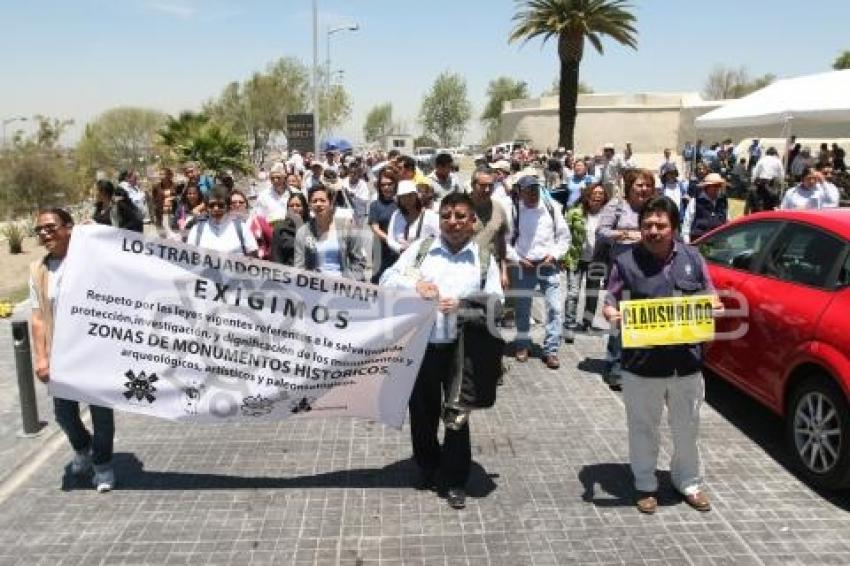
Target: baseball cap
{"type": "Point", "coordinates": [406, 187]}
{"type": "Point", "coordinates": [528, 181]}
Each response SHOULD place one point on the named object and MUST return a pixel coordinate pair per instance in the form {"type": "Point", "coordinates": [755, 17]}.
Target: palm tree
{"type": "Point", "coordinates": [571, 21]}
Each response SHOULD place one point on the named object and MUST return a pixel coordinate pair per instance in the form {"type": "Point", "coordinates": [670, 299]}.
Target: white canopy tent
{"type": "Point", "coordinates": [812, 106]}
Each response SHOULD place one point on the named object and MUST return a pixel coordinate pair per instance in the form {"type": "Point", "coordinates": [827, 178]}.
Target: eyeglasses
{"type": "Point", "coordinates": [46, 229]}
{"type": "Point", "coordinates": [462, 216]}
{"type": "Point", "coordinates": [216, 205]}
{"type": "Point", "coordinates": [485, 185]}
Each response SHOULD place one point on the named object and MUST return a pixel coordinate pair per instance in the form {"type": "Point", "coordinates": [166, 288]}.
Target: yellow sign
{"type": "Point", "coordinates": [671, 320]}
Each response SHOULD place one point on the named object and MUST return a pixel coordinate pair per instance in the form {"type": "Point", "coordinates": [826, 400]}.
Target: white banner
{"type": "Point", "coordinates": [162, 328]}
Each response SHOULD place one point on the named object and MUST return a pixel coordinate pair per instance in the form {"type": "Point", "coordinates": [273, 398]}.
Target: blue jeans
{"type": "Point", "coordinates": [103, 423]}
{"type": "Point", "coordinates": [524, 282]}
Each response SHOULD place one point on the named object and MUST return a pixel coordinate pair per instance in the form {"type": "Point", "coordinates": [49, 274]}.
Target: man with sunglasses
{"type": "Point", "coordinates": [53, 229]}
{"type": "Point", "coordinates": [446, 270]}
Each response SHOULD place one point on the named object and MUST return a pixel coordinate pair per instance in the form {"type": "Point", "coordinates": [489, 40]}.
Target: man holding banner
{"type": "Point", "coordinates": [662, 357]}
{"type": "Point", "coordinates": [53, 228]}
{"type": "Point", "coordinates": [445, 269]}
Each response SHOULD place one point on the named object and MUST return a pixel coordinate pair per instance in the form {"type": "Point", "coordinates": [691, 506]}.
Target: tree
{"type": "Point", "coordinates": [35, 172]}
{"type": "Point", "coordinates": [194, 137]}
{"type": "Point", "coordinates": [499, 91]}
{"type": "Point", "coordinates": [571, 22]}
{"type": "Point", "coordinates": [446, 110]}
{"type": "Point", "coordinates": [335, 105]}
{"type": "Point", "coordinates": [724, 83]}
{"type": "Point", "coordinates": [120, 138]}
{"type": "Point", "coordinates": [379, 122]}
{"type": "Point", "coordinates": [257, 108]}
{"type": "Point", "coordinates": [842, 61]}
{"type": "Point", "coordinates": [583, 88]}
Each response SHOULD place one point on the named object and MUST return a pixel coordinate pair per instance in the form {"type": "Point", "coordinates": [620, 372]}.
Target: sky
{"type": "Point", "coordinates": [77, 58]}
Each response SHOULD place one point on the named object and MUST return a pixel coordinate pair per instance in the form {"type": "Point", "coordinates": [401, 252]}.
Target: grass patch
{"type": "Point", "coordinates": [17, 295]}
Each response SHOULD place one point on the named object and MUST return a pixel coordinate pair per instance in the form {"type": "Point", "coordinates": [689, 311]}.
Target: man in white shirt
{"type": "Point", "coordinates": [537, 239]}
{"type": "Point", "coordinates": [769, 167]}
{"type": "Point", "coordinates": [271, 204]}
{"type": "Point", "coordinates": [610, 173]}
{"type": "Point", "coordinates": [442, 177]}
{"type": "Point", "coordinates": [445, 270]}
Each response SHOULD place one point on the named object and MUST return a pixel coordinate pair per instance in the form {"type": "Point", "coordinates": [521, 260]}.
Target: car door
{"type": "Point", "coordinates": [788, 296]}
{"type": "Point", "coordinates": [732, 255]}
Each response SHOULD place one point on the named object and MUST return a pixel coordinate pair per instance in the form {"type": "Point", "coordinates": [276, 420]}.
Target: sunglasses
{"type": "Point", "coordinates": [216, 205]}
{"type": "Point", "coordinates": [46, 229]}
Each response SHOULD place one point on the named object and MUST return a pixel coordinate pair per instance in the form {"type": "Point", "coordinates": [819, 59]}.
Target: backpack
{"type": "Point", "coordinates": [237, 222]}
{"type": "Point", "coordinates": [479, 355]}
{"type": "Point", "coordinates": [549, 208]}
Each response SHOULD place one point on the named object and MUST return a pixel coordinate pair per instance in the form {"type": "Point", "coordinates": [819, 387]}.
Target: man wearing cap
{"type": "Point", "coordinates": [271, 204]}
{"type": "Point", "coordinates": [611, 171]}
{"type": "Point", "coordinates": [442, 177]}
{"type": "Point", "coordinates": [708, 211]}
{"type": "Point", "coordinates": [538, 237]}
{"type": "Point", "coordinates": [501, 191]}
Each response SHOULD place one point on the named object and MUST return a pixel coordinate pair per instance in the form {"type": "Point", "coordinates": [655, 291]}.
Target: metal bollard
{"type": "Point", "coordinates": [26, 384]}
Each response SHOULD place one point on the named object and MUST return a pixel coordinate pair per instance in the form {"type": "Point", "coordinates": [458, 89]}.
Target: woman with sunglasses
{"type": "Point", "coordinates": [259, 226]}
{"type": "Point", "coordinates": [221, 231]}
{"type": "Point", "coordinates": [329, 244]}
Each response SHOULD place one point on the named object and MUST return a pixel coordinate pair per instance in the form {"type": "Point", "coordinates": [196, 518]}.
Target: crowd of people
{"type": "Point", "coordinates": [564, 225]}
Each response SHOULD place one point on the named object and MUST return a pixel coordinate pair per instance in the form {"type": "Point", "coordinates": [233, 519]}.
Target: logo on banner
{"type": "Point", "coordinates": [192, 396]}
{"type": "Point", "coordinates": [304, 405]}
{"type": "Point", "coordinates": [140, 387]}
{"type": "Point", "coordinates": [257, 406]}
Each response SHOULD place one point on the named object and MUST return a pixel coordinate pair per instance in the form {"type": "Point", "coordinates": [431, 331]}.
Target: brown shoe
{"type": "Point", "coordinates": [552, 361]}
{"type": "Point", "coordinates": [522, 355]}
{"type": "Point", "coordinates": [698, 501]}
{"type": "Point", "coordinates": [646, 503]}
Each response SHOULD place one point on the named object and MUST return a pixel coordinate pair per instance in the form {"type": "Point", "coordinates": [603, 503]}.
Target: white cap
{"type": "Point", "coordinates": [278, 167]}
{"type": "Point", "coordinates": [406, 187]}
{"type": "Point", "coordinates": [502, 165]}
{"type": "Point", "coordinates": [608, 145]}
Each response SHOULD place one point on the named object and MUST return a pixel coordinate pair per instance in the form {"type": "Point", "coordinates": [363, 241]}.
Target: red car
{"type": "Point", "coordinates": [784, 278]}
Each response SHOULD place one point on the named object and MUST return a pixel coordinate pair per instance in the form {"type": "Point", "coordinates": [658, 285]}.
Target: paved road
{"type": "Point", "coordinates": [549, 487]}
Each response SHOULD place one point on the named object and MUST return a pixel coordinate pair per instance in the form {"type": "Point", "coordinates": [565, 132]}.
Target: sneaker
{"type": "Point", "coordinates": [81, 463]}
{"type": "Point", "coordinates": [104, 478]}
{"type": "Point", "coordinates": [569, 336]}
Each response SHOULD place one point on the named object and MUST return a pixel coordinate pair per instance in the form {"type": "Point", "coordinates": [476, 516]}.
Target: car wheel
{"type": "Point", "coordinates": [817, 427]}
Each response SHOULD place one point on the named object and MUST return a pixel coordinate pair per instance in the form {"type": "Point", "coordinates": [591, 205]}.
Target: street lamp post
{"type": "Point", "coordinates": [331, 31]}
{"type": "Point", "coordinates": [7, 121]}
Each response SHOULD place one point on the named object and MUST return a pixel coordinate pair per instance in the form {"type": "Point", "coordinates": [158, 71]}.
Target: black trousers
{"type": "Point", "coordinates": [453, 459]}
{"type": "Point", "coordinates": [103, 424]}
